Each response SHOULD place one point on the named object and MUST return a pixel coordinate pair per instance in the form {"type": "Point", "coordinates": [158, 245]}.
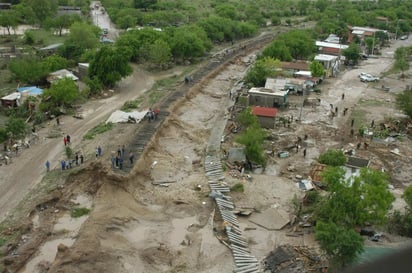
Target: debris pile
{"type": "Point", "coordinates": [294, 259]}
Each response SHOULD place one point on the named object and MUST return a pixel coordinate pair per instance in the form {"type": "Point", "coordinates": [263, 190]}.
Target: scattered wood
{"type": "Point", "coordinates": [157, 183]}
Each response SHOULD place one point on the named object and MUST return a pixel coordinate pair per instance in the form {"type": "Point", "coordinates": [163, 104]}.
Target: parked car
{"type": "Point", "coordinates": [363, 74]}
{"type": "Point", "coordinates": [404, 37]}
{"type": "Point", "coordinates": [368, 78]}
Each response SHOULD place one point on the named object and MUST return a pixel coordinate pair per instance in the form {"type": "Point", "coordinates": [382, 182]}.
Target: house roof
{"type": "Point", "coordinates": [316, 172]}
{"type": "Point", "coordinates": [357, 162]}
{"type": "Point", "coordinates": [60, 74]}
{"type": "Point", "coordinates": [51, 47]}
{"type": "Point", "coordinates": [325, 57]}
{"type": "Point", "coordinates": [268, 92]}
{"type": "Point", "coordinates": [12, 96]}
{"type": "Point", "coordinates": [298, 65]}
{"type": "Point", "coordinates": [330, 45]}
{"type": "Point", "coordinates": [30, 90]}
{"type": "Point", "coordinates": [264, 111]}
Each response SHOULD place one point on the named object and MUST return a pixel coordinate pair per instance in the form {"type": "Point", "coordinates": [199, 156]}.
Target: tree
{"type": "Point", "coordinates": [8, 20]}
{"type": "Point", "coordinates": [357, 200]}
{"type": "Point", "coordinates": [160, 53]}
{"type": "Point", "coordinates": [352, 53]}
{"type": "Point", "coordinates": [16, 128]}
{"type": "Point", "coordinates": [333, 158]}
{"type": "Point", "coordinates": [340, 244]}
{"type": "Point", "coordinates": [407, 196]}
{"type": "Point", "coordinates": [144, 4]}
{"type": "Point", "coordinates": [261, 70]}
{"type": "Point", "coordinates": [253, 138]}
{"type": "Point", "coordinates": [110, 65]}
{"type": "Point", "coordinates": [278, 50]}
{"type": "Point", "coordinates": [62, 22]}
{"type": "Point", "coordinates": [28, 70]}
{"type": "Point", "coordinates": [247, 119]}
{"type": "Point", "coordinates": [370, 43]}
{"type": "Point", "coordinates": [317, 70]}
{"type": "Point", "coordinates": [401, 56]}
{"type": "Point", "coordinates": [84, 36]}
{"type": "Point", "coordinates": [42, 9]}
{"type": "Point", "coordinates": [62, 93]}
{"type": "Point", "coordinates": [404, 101]}
{"type": "Point", "coordinates": [54, 62]}
{"type": "Point", "coordinates": [189, 42]}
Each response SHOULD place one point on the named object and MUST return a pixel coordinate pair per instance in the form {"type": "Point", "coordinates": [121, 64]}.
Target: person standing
{"type": "Point", "coordinates": [57, 121]}
{"type": "Point", "coordinates": [131, 157]}
{"type": "Point", "coordinates": [304, 152]}
{"type": "Point", "coordinates": [65, 141]}
{"type": "Point", "coordinates": [99, 151]}
{"type": "Point", "coordinates": [119, 151]}
{"type": "Point", "coordinates": [123, 150]}
{"type": "Point", "coordinates": [47, 166]}
{"type": "Point", "coordinates": [63, 163]}
{"type": "Point", "coordinates": [68, 139]}
{"type": "Point", "coordinates": [77, 159]}
{"type": "Point", "coordinates": [343, 96]}
{"type": "Point", "coordinates": [81, 159]}
{"type": "Point", "coordinates": [121, 163]}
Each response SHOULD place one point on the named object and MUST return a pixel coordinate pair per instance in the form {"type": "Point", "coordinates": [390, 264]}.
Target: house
{"type": "Point", "coordinates": [296, 85]}
{"type": "Point", "coordinates": [83, 69]}
{"type": "Point", "coordinates": [292, 67]}
{"type": "Point", "coordinates": [332, 38]}
{"type": "Point", "coordinates": [260, 96]}
{"type": "Point", "coordinates": [363, 32]}
{"type": "Point", "coordinates": [50, 49]}
{"type": "Point", "coordinates": [265, 115]}
{"type": "Point", "coordinates": [353, 166]}
{"type": "Point", "coordinates": [11, 100]}
{"type": "Point", "coordinates": [330, 48]}
{"type": "Point", "coordinates": [330, 63]}
{"type": "Point", "coordinates": [60, 74]}
{"type": "Point", "coordinates": [30, 91]}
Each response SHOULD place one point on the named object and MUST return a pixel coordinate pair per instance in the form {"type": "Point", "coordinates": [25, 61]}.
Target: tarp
{"type": "Point", "coordinates": [119, 116]}
{"type": "Point", "coordinates": [30, 90]}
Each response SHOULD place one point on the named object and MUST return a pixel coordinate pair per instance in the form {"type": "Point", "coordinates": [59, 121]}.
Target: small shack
{"type": "Point", "coordinates": [330, 64]}
{"type": "Point", "coordinates": [353, 166]}
{"type": "Point", "coordinates": [11, 100]}
{"type": "Point", "coordinates": [50, 49]}
{"type": "Point", "coordinates": [265, 115]}
{"type": "Point", "coordinates": [60, 74]}
{"type": "Point", "coordinates": [83, 70]}
{"type": "Point", "coordinates": [267, 97]}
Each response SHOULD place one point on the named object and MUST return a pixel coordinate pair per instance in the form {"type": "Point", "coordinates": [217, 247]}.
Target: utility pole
{"type": "Point", "coordinates": [373, 42]}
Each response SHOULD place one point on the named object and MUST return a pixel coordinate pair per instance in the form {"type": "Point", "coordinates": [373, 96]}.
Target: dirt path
{"type": "Point", "coordinates": [28, 166]}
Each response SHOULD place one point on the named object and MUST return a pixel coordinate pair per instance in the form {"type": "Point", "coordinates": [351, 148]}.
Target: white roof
{"type": "Point", "coordinates": [331, 45]}
{"type": "Point", "coordinates": [325, 57]}
{"type": "Point", "coordinates": [264, 91]}
{"type": "Point", "coordinates": [62, 73]}
{"type": "Point", "coordinates": [119, 116]}
{"type": "Point", "coordinates": [12, 96]}
{"type": "Point", "coordinates": [368, 29]}
{"type": "Point", "coordinates": [303, 73]}
{"type": "Point", "coordinates": [84, 64]}
{"type": "Point", "coordinates": [358, 32]}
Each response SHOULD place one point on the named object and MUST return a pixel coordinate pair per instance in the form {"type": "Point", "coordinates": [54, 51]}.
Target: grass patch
{"type": "Point", "coordinates": [132, 104]}
{"type": "Point", "coordinates": [99, 129]}
{"type": "Point", "coordinates": [46, 37]}
{"type": "Point", "coordinates": [155, 96]}
{"type": "Point", "coordinates": [359, 116]}
{"type": "Point", "coordinates": [371, 103]}
{"type": "Point", "coordinates": [238, 187]}
{"type": "Point", "coordinates": [79, 212]}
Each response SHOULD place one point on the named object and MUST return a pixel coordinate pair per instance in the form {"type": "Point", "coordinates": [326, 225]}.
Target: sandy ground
{"type": "Point", "coordinates": [135, 226]}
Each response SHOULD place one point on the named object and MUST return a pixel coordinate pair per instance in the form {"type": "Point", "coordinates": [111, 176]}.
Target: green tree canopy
{"type": "Point", "coordinates": [340, 244]}
{"type": "Point", "coordinates": [357, 200]}
{"type": "Point", "coordinates": [62, 22]}
{"type": "Point", "coordinates": [316, 68]}
{"type": "Point", "coordinates": [278, 50]}
{"type": "Point", "coordinates": [247, 119]}
{"type": "Point", "coordinates": [262, 69]}
{"type": "Point", "coordinates": [253, 138]}
{"type": "Point", "coordinates": [110, 65]}
{"type": "Point", "coordinates": [42, 9]}
{"type": "Point", "coordinates": [189, 42]}
{"type": "Point", "coordinates": [159, 53]}
{"type": "Point", "coordinates": [407, 196]}
{"type": "Point", "coordinates": [404, 101]}
{"type": "Point", "coordinates": [401, 56]}
{"type": "Point", "coordinates": [333, 158]}
{"type": "Point", "coordinates": [8, 20]}
{"type": "Point", "coordinates": [144, 4]}
{"type": "Point", "coordinates": [352, 53]}
{"type": "Point", "coordinates": [28, 70]}
{"type": "Point", "coordinates": [83, 35]}
{"type": "Point", "coordinates": [54, 62]}
{"type": "Point", "coordinates": [62, 93]}
{"type": "Point", "coordinates": [16, 128]}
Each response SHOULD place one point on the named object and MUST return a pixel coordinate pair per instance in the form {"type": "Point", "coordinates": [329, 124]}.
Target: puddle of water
{"type": "Point", "coordinates": [47, 253]}
{"type": "Point", "coordinates": [180, 229]}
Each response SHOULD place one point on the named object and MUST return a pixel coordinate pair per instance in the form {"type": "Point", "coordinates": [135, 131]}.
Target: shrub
{"type": "Point", "coordinates": [333, 158]}
{"type": "Point", "coordinates": [79, 212]}
{"type": "Point", "coordinates": [99, 129]}
{"type": "Point", "coordinates": [238, 187]}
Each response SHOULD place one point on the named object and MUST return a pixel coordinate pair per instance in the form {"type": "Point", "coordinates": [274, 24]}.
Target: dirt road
{"type": "Point", "coordinates": [28, 166]}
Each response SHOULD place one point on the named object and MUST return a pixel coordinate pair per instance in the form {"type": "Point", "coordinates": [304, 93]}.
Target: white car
{"type": "Point", "coordinates": [368, 78]}
{"type": "Point", "coordinates": [404, 37]}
